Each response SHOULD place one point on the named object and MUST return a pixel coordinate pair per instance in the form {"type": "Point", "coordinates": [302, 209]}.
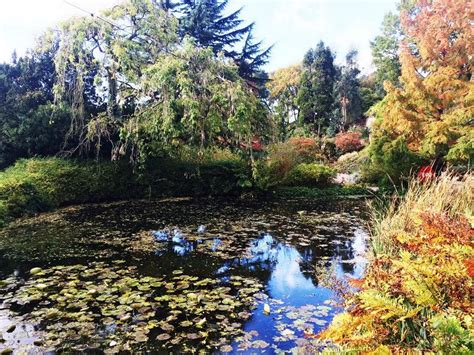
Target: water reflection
{"type": "Point", "coordinates": [288, 271]}
{"type": "Point", "coordinates": [274, 244]}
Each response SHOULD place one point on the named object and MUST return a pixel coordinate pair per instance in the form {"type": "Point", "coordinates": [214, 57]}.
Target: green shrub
{"type": "Point", "coordinates": [310, 175]}
{"type": "Point", "coordinates": [37, 185]}
{"type": "Point", "coordinates": [283, 157]}
{"type": "Point", "coordinates": [390, 161]}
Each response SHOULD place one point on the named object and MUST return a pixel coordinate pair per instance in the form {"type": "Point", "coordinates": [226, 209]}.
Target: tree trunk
{"type": "Point", "coordinates": [112, 106]}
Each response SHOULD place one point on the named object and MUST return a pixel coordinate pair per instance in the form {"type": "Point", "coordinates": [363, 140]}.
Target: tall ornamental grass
{"type": "Point", "coordinates": [417, 294]}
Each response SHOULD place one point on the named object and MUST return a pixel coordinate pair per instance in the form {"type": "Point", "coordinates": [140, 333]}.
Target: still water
{"type": "Point", "coordinates": [178, 275]}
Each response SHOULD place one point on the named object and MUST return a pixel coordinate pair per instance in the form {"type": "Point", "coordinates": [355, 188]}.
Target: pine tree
{"type": "Point", "coordinates": [316, 95]}
{"type": "Point", "coordinates": [385, 50]}
{"type": "Point", "coordinates": [206, 23]}
{"type": "Point", "coordinates": [349, 109]}
{"type": "Point", "coordinates": [251, 59]}
{"type": "Point", "coordinates": [204, 20]}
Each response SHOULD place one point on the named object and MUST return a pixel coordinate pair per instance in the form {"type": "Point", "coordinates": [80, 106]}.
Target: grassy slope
{"type": "Point", "coordinates": [37, 185]}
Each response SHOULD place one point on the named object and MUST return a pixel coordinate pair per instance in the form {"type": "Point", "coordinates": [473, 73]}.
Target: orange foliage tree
{"type": "Point", "coordinates": [433, 108]}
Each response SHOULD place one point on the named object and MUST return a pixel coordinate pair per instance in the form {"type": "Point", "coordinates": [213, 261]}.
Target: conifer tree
{"type": "Point", "coordinates": [316, 95]}
{"type": "Point", "coordinates": [433, 109]}
{"type": "Point", "coordinates": [206, 22]}
{"type": "Point", "coordinates": [385, 50]}
{"type": "Point", "coordinates": [347, 93]}
{"type": "Point", "coordinates": [251, 60]}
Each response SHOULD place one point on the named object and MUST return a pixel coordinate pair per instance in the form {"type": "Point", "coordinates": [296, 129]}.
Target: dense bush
{"type": "Point", "coordinates": [307, 149]}
{"type": "Point", "coordinates": [310, 174]}
{"type": "Point", "coordinates": [283, 157]}
{"type": "Point", "coordinates": [349, 141]}
{"type": "Point", "coordinates": [37, 185]}
{"type": "Point", "coordinates": [390, 161]}
{"type": "Point", "coordinates": [417, 293]}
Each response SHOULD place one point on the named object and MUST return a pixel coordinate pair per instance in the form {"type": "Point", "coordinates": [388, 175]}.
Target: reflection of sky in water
{"type": "Point", "coordinates": [287, 270]}
{"type": "Point", "coordinates": [287, 280]}
{"type": "Point", "coordinates": [358, 246]}
{"type": "Point", "coordinates": [289, 284]}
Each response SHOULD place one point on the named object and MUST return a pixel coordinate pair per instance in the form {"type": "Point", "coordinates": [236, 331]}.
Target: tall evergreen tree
{"type": "Point", "coordinates": [385, 48]}
{"type": "Point", "coordinates": [316, 95]}
{"type": "Point", "coordinates": [347, 93]}
{"type": "Point", "coordinates": [29, 123]}
{"type": "Point", "coordinates": [206, 22]}
{"type": "Point", "coordinates": [251, 59]}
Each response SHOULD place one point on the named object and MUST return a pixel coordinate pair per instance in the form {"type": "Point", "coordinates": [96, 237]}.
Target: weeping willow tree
{"type": "Point", "coordinates": [198, 101]}
{"type": "Point", "coordinates": [159, 92]}
{"type": "Point", "coordinates": [110, 51]}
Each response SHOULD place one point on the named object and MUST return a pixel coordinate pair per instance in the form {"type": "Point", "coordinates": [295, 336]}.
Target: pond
{"type": "Point", "coordinates": [178, 275]}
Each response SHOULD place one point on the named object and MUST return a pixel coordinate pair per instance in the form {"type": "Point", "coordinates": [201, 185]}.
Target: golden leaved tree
{"type": "Point", "coordinates": [433, 109]}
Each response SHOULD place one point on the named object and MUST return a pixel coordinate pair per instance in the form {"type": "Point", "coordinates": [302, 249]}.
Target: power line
{"type": "Point", "coordinates": [92, 14]}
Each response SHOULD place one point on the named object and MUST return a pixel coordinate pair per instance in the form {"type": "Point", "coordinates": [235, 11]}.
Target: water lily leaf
{"type": "Point", "coordinates": [186, 323]}
{"type": "Point", "coordinates": [167, 327]}
{"type": "Point", "coordinates": [266, 308]}
{"type": "Point", "coordinates": [35, 271]}
{"type": "Point", "coordinates": [259, 344]}
{"type": "Point", "coordinates": [226, 349]}
{"type": "Point", "coordinates": [193, 336]}
{"type": "Point", "coordinates": [140, 337]}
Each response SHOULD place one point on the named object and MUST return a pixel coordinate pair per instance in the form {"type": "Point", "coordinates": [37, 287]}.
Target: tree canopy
{"type": "Point", "coordinates": [434, 107]}
{"type": "Point", "coordinates": [316, 94]}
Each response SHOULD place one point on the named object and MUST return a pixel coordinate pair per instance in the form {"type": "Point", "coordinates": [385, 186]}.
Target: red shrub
{"type": "Point", "coordinates": [349, 142]}
{"type": "Point", "coordinates": [307, 149]}
{"type": "Point", "coordinates": [303, 144]}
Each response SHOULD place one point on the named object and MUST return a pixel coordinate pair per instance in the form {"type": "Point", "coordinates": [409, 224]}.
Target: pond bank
{"type": "Point", "coordinates": [38, 185]}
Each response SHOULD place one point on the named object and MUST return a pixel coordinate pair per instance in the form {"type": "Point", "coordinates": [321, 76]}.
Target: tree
{"type": "Point", "coordinates": [347, 95]}
{"type": "Point", "coordinates": [29, 122]}
{"type": "Point", "coordinates": [251, 60]}
{"type": "Point", "coordinates": [283, 89]}
{"type": "Point", "coordinates": [368, 92]}
{"type": "Point", "coordinates": [204, 20]}
{"type": "Point", "coordinates": [316, 95]}
{"type": "Point", "coordinates": [201, 100]}
{"type": "Point", "coordinates": [385, 51]}
{"type": "Point", "coordinates": [206, 23]}
{"type": "Point", "coordinates": [109, 51]}
{"type": "Point", "coordinates": [433, 109]}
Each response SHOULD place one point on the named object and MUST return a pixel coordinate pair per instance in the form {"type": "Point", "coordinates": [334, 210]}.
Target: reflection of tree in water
{"type": "Point", "coordinates": [91, 228]}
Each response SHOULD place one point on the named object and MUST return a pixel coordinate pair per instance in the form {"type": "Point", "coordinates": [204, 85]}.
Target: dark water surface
{"type": "Point", "coordinates": [178, 275]}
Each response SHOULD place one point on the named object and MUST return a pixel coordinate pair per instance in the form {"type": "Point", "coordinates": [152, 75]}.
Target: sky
{"type": "Point", "coordinates": [292, 26]}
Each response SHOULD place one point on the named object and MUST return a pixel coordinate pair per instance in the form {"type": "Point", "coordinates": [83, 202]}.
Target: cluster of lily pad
{"type": "Point", "coordinates": [110, 306]}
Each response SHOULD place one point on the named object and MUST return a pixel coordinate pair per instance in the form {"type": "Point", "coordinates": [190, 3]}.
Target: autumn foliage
{"type": "Point", "coordinates": [432, 109]}
{"type": "Point", "coordinates": [417, 294]}
{"type": "Point", "coordinates": [348, 142]}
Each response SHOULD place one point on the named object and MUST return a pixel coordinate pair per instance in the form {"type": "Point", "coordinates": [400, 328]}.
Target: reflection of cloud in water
{"type": "Point", "coordinates": [357, 256]}
{"type": "Point", "coordinates": [359, 245]}
{"type": "Point", "coordinates": [287, 277]}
